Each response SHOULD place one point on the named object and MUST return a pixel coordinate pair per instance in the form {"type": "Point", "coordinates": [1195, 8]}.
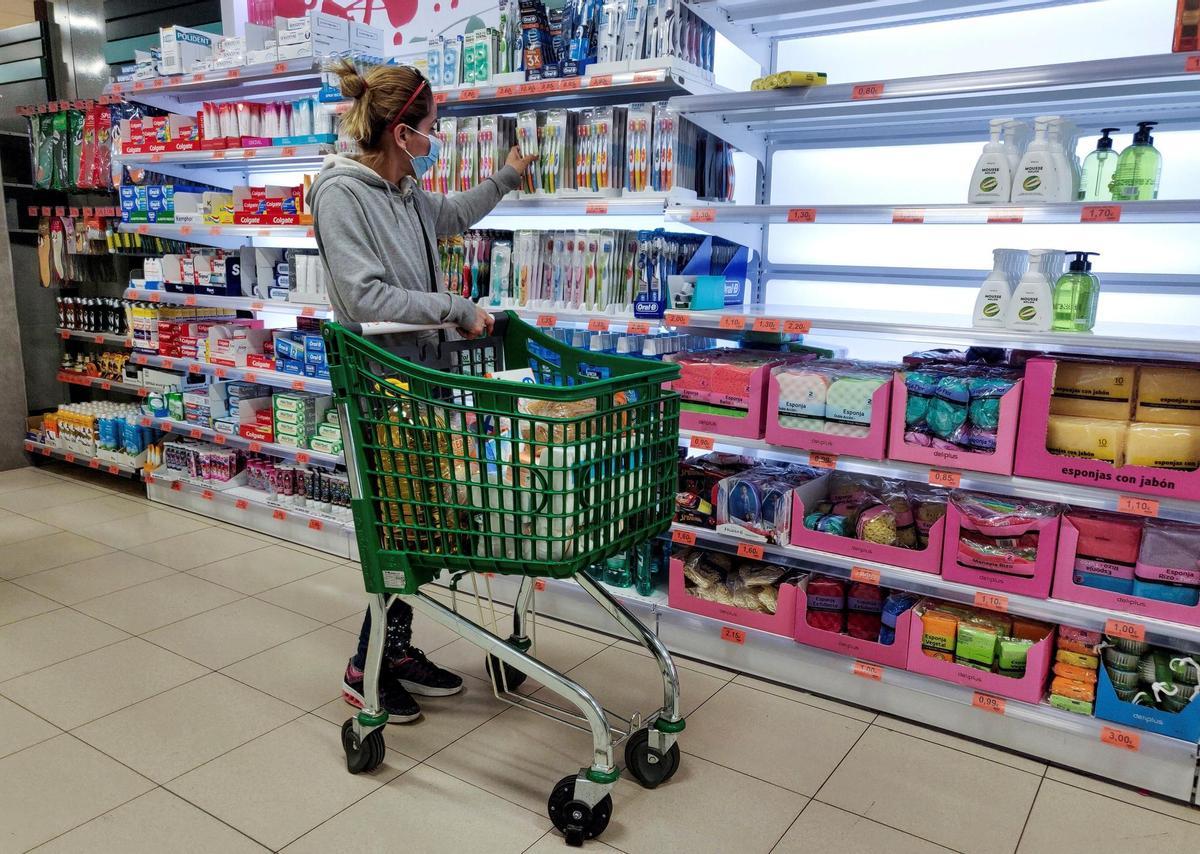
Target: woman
{"type": "Point", "coordinates": [377, 231]}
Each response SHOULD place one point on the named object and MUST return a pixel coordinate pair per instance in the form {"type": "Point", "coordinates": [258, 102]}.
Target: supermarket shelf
{"type": "Point", "coordinates": [104, 385]}
{"type": "Point", "coordinates": [271, 78]}
{"type": "Point", "coordinates": [249, 508]}
{"type": "Point", "coordinates": [250, 375]}
{"type": "Point", "coordinates": [626, 205]}
{"type": "Point", "coordinates": [273, 158]}
{"type": "Point", "coordinates": [81, 459]}
{"type": "Point", "coordinates": [299, 455]}
{"type": "Point", "coordinates": [956, 107]}
{"type": "Point", "coordinates": [94, 337]}
{"type": "Point", "coordinates": [239, 303]}
{"type": "Point", "coordinates": [227, 236]}
{"type": "Point", "coordinates": [1042, 490]}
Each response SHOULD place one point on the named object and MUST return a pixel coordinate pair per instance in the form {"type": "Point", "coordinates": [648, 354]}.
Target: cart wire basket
{"type": "Point", "coordinates": [513, 454]}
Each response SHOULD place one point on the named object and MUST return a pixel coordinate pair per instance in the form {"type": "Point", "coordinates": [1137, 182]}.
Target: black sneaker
{"type": "Point", "coordinates": [416, 673]}
{"type": "Point", "coordinates": [398, 703]}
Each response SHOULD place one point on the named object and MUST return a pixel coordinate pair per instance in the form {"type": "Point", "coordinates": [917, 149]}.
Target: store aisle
{"type": "Point", "coordinates": [171, 684]}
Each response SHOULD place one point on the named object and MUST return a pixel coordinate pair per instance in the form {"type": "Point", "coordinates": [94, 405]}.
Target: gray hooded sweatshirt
{"type": "Point", "coordinates": [379, 241]}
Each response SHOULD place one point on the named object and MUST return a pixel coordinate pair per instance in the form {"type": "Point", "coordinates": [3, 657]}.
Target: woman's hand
{"type": "Point", "coordinates": [480, 325]}
{"type": "Point", "coordinates": [517, 161]}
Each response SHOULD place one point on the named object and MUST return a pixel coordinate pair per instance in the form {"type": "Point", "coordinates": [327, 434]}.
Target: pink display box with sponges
{"type": "Point", "coordinates": [894, 655]}
{"type": "Point", "coordinates": [715, 384]}
{"type": "Point", "coordinates": [779, 623]}
{"type": "Point", "coordinates": [968, 564]}
{"type": "Point", "coordinates": [871, 446]}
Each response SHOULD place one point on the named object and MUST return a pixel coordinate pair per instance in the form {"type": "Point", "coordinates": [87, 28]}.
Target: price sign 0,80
{"type": "Point", "coordinates": [750, 550]}
{"type": "Point", "coordinates": [867, 92]}
{"type": "Point", "coordinates": [733, 635]}
{"type": "Point", "coordinates": [988, 702]}
{"type": "Point", "coordinates": [1121, 738]}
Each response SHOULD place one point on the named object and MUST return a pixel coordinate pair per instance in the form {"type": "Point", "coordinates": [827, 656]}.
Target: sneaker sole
{"type": "Point", "coordinates": [356, 700]}
{"type": "Point", "coordinates": [428, 690]}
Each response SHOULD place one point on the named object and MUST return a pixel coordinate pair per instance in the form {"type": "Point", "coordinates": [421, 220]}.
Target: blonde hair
{"type": "Point", "coordinates": [379, 96]}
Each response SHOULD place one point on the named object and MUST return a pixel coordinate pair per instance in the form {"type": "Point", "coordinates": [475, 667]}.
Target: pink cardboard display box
{"type": "Point", "coordinates": [724, 385]}
{"type": "Point", "coordinates": [1066, 589]}
{"type": "Point", "coordinates": [894, 655]}
{"type": "Point", "coordinates": [1022, 580]}
{"type": "Point", "coordinates": [809, 494]}
{"type": "Point", "coordinates": [1030, 688]}
{"type": "Point", "coordinates": [1033, 460]}
{"type": "Point", "coordinates": [870, 447]}
{"type": "Point", "coordinates": [999, 461]}
{"type": "Point", "coordinates": [779, 623]}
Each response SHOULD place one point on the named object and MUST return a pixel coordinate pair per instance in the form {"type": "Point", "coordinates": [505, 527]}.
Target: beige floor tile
{"type": "Point", "coordinates": [598, 637]}
{"type": "Point", "coordinates": [54, 786]}
{"type": "Point", "coordinates": [777, 740]}
{"type": "Point", "coordinates": [822, 828]}
{"type": "Point", "coordinates": [47, 552]}
{"type": "Point", "coordinates": [432, 811]}
{"type": "Point", "coordinates": [146, 527]}
{"type": "Point", "coordinates": [859, 714]}
{"type": "Point", "coordinates": [443, 719]}
{"type": "Point", "coordinates": [97, 576]}
{"type": "Point", "coordinates": [20, 728]}
{"type": "Point", "coordinates": [306, 672]}
{"type": "Point", "coordinates": [144, 607]}
{"type": "Point", "coordinates": [178, 730]}
{"type": "Point", "coordinates": [282, 785]}
{"type": "Point", "coordinates": [1134, 797]}
{"type": "Point", "coordinates": [680, 661]}
{"type": "Point", "coordinates": [51, 495]}
{"type": "Point", "coordinates": [219, 637]}
{"type": "Point", "coordinates": [154, 823]}
{"type": "Point", "coordinates": [923, 788]}
{"type": "Point", "coordinates": [92, 511]}
{"type": "Point", "coordinates": [324, 555]}
{"type": "Point", "coordinates": [84, 688]}
{"type": "Point", "coordinates": [24, 478]}
{"type": "Point", "coordinates": [703, 808]}
{"type": "Point", "coordinates": [17, 529]}
{"type": "Point", "coordinates": [328, 596]}
{"type": "Point", "coordinates": [49, 638]}
{"type": "Point", "coordinates": [966, 745]}
{"type": "Point", "coordinates": [17, 603]}
{"type": "Point", "coordinates": [271, 567]}
{"type": "Point", "coordinates": [552, 843]}
{"type": "Point", "coordinates": [561, 650]}
{"type": "Point", "coordinates": [196, 548]}
{"type": "Point", "coordinates": [1067, 820]}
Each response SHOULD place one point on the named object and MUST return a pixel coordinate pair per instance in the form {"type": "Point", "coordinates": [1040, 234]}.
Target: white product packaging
{"type": "Point", "coordinates": [181, 46]}
{"type": "Point", "coordinates": [366, 39]}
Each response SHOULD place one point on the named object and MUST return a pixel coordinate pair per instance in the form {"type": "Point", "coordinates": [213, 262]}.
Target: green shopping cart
{"type": "Point", "coordinates": [513, 454]}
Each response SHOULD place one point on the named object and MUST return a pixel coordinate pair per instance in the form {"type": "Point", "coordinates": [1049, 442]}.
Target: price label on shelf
{"type": "Point", "coordinates": [155, 296]}
{"type": "Point", "coordinates": [440, 97]}
{"type": "Point", "coordinates": [256, 306]}
{"type": "Point", "coordinates": [802, 215]}
{"type": "Point", "coordinates": [797, 327]}
{"type": "Point", "coordinates": [948, 479]}
{"type": "Point", "coordinates": [597, 324]}
{"type": "Point", "coordinates": [233, 73]}
{"type": "Point", "coordinates": [599, 81]}
{"type": "Point", "coordinates": [249, 377]}
{"type": "Point", "coordinates": [45, 452]}
{"type": "Point", "coordinates": [684, 538]}
{"type": "Point", "coordinates": [703, 215]}
{"type": "Point", "coordinates": [255, 447]}
{"type": "Point", "coordinates": [220, 373]}
{"type": "Point", "coordinates": [1137, 506]}
{"type": "Point", "coordinates": [105, 385]}
{"type": "Point", "coordinates": [570, 84]}
{"type": "Point", "coordinates": [908, 217]}
{"type": "Point", "coordinates": [215, 231]}
{"type": "Point", "coordinates": [1121, 738]}
{"type": "Point", "coordinates": [506, 91]}
{"type": "Point", "coordinates": [1125, 629]}
{"type": "Point", "coordinates": [676, 318]}
{"type": "Point", "coordinates": [308, 311]}
{"type": "Point", "coordinates": [988, 702]}
{"type": "Point", "coordinates": [219, 438]}
{"type": "Point", "coordinates": [1100, 213]}
{"type": "Point", "coordinates": [141, 358]}
{"type": "Point", "coordinates": [638, 328]}
{"type": "Point", "coordinates": [701, 443]}
{"type": "Point", "coordinates": [316, 525]}
{"type": "Point", "coordinates": [822, 461]}
{"type": "Point", "coordinates": [991, 601]}
{"type": "Point", "coordinates": [596, 208]}
{"type": "Point", "coordinates": [114, 469]}
{"type": "Point", "coordinates": [98, 339]}
{"type": "Point", "coordinates": [279, 68]}
{"type": "Point", "coordinates": [73, 211]}
{"type": "Point", "coordinates": [732, 635]}
{"type": "Point", "coordinates": [468, 94]}
{"type": "Point", "coordinates": [767, 324]}
{"type": "Point", "coordinates": [547, 320]}
{"type": "Point", "coordinates": [279, 516]}
{"type": "Point", "coordinates": [139, 85]}
{"type": "Point", "coordinates": [864, 575]}
{"type": "Point", "coordinates": [1006, 218]}
{"type": "Point", "coordinates": [168, 364]}
{"type": "Point", "coordinates": [69, 457]}
{"type": "Point", "coordinates": [177, 486]}
{"type": "Point", "coordinates": [867, 670]}
{"type": "Point", "coordinates": [241, 504]}
{"type": "Point", "coordinates": [648, 77]}
{"type": "Point", "coordinates": [732, 321]}
{"type": "Point", "coordinates": [64, 334]}
{"type": "Point", "coordinates": [196, 433]}
{"type": "Point", "coordinates": [287, 151]}
{"type": "Point", "coordinates": [206, 494]}
{"type": "Point", "coordinates": [1192, 65]}
{"type": "Point", "coordinates": [144, 228]}
{"type": "Point", "coordinates": [297, 385]}
{"type": "Point", "coordinates": [93, 463]}
{"type": "Point", "coordinates": [302, 458]}
{"type": "Point", "coordinates": [750, 550]}
{"type": "Point", "coordinates": [539, 585]}
{"type": "Point", "coordinates": [156, 158]}
{"type": "Point", "coordinates": [867, 91]}
{"type": "Point", "coordinates": [147, 422]}
{"type": "Point", "coordinates": [185, 230]}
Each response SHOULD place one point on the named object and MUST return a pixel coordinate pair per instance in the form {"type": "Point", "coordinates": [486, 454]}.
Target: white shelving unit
{"type": "Point", "coordinates": [75, 378]}
{"type": "Point", "coordinates": [236, 303]}
{"type": "Point", "coordinates": [285, 452]}
{"type": "Point", "coordinates": [106, 338]}
{"type": "Point", "coordinates": [86, 460]}
{"type": "Point", "coordinates": [222, 372]}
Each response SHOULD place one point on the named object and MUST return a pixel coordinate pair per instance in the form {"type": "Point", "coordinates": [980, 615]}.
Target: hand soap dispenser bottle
{"type": "Point", "coordinates": [1098, 169]}
{"type": "Point", "coordinates": [1139, 168]}
{"type": "Point", "coordinates": [991, 306]}
{"type": "Point", "coordinates": [991, 182]}
{"type": "Point", "coordinates": [1036, 179]}
{"type": "Point", "coordinates": [1076, 295]}
{"type": "Point", "coordinates": [1031, 303]}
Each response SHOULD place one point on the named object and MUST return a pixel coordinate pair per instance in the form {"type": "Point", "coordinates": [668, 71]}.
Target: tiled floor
{"type": "Point", "coordinates": [171, 684]}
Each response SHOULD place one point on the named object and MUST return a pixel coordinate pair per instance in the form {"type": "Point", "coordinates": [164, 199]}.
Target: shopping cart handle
{"type": "Point", "coordinates": [374, 328]}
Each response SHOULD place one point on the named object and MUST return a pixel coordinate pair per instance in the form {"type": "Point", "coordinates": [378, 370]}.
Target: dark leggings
{"type": "Point", "coordinates": [399, 633]}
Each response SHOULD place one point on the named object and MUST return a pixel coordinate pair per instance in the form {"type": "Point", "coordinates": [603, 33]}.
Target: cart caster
{"type": "Point", "coordinates": [575, 820]}
{"type": "Point", "coordinates": [647, 765]}
{"type": "Point", "coordinates": [513, 678]}
{"type": "Point", "coordinates": [362, 757]}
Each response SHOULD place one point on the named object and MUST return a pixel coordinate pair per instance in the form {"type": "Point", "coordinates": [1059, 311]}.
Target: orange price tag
{"type": "Point", "coordinates": [233, 73]}
{"type": "Point", "coordinates": [168, 364]}
{"type": "Point", "coordinates": [141, 358]}
{"type": "Point", "coordinates": [864, 575]}
{"type": "Point", "coordinates": [988, 702]}
{"type": "Point", "coordinates": [64, 334]}
{"type": "Point", "coordinates": [991, 601]}
{"type": "Point", "coordinates": [311, 232]}
{"type": "Point", "coordinates": [147, 422]}
{"type": "Point", "coordinates": [768, 324]}
{"type": "Point", "coordinates": [750, 550]}
{"type": "Point", "coordinates": [1121, 738]}
{"type": "Point", "coordinates": [158, 83]}
{"type": "Point", "coordinates": [219, 438]}
{"type": "Point", "coordinates": [185, 230]}
{"type": "Point", "coordinates": [1122, 629]}
{"type": "Point", "coordinates": [215, 230]}
{"type": "Point", "coordinates": [638, 328]}
{"type": "Point", "coordinates": [797, 327]}
{"type": "Point", "coordinates": [1001, 219]}
{"type": "Point", "coordinates": [308, 311]}
{"type": "Point", "coordinates": [701, 443]}
{"type": "Point", "coordinates": [105, 385]}
{"type": "Point", "coordinates": [249, 377]}
{"type": "Point", "coordinates": [596, 208]}
{"type": "Point", "coordinates": [440, 97]}
{"type": "Point", "coordinates": [505, 91]}
{"type": "Point", "coordinates": [468, 95]}
{"type": "Point", "coordinates": [144, 228]}
{"type": "Point", "coordinates": [176, 486]}
{"type": "Point", "coordinates": [264, 232]}
{"type": "Point", "coordinates": [207, 494]}
{"type": "Point", "coordinates": [155, 296]}
{"type": "Point", "coordinates": [114, 469]}
{"type": "Point", "coordinates": [597, 324]}
{"type": "Point", "coordinates": [249, 152]}
{"type": "Point", "coordinates": [822, 461]}
{"type": "Point", "coordinates": [219, 154]}
{"type": "Point", "coordinates": [316, 524]}
{"type": "Point", "coordinates": [143, 392]}
{"type": "Point", "coordinates": [647, 77]}
{"type": "Point", "coordinates": [255, 447]}
{"type": "Point", "coordinates": [93, 463]}
{"type": "Point", "coordinates": [802, 215]}
{"type": "Point", "coordinates": [569, 83]}
{"type": "Point", "coordinates": [901, 217]}
{"type": "Point", "coordinates": [74, 211]}
{"type": "Point", "coordinates": [599, 80]}
{"type": "Point", "coordinates": [1137, 506]}
{"type": "Point", "coordinates": [139, 85]}
{"type": "Point", "coordinates": [196, 433]}
{"type": "Point", "coordinates": [241, 504]}
{"type": "Point", "coordinates": [539, 584]}
{"type": "Point", "coordinates": [733, 635]}
{"type": "Point", "coordinates": [676, 318]}
{"type": "Point", "coordinates": [69, 457]}
{"type": "Point", "coordinates": [546, 320]}
{"type": "Point", "coordinates": [220, 373]}
{"type": "Point", "coordinates": [156, 158]}
{"type": "Point", "coordinates": [684, 538]}
{"type": "Point", "coordinates": [198, 78]}
{"type": "Point", "coordinates": [98, 339]}
{"type": "Point", "coordinates": [287, 151]}
{"type": "Point", "coordinates": [867, 670]}
{"type": "Point", "coordinates": [256, 306]}
{"type": "Point", "coordinates": [302, 458]}
{"type": "Point", "coordinates": [1192, 64]}
{"type": "Point", "coordinates": [297, 385]}
{"type": "Point", "coordinates": [732, 321]}
{"type": "Point", "coordinates": [280, 68]}
{"type": "Point", "coordinates": [279, 515]}
{"type": "Point", "coordinates": [948, 479]}
{"type": "Point", "coordinates": [866, 92]}
{"type": "Point", "coordinates": [45, 452]}
{"type": "Point", "coordinates": [1100, 213]}
{"type": "Point", "coordinates": [703, 215]}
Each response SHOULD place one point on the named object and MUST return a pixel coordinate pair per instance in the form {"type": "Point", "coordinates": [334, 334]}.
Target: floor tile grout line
{"type": "Point", "coordinates": [888, 826]}
{"type": "Point", "coordinates": [1154, 798]}
{"type": "Point", "coordinates": [807, 802]}
{"type": "Point", "coordinates": [17, 581]}
{"type": "Point", "coordinates": [489, 792]}
{"type": "Point", "coordinates": [1029, 814]}
{"type": "Point", "coordinates": [829, 776]}
{"type": "Point", "coordinates": [803, 702]}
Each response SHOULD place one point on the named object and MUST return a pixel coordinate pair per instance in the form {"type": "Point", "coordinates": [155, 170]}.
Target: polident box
{"type": "Point", "coordinates": [180, 47]}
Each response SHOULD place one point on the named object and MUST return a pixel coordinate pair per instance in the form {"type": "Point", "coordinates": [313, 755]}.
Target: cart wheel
{"type": "Point", "coordinates": [513, 678]}
{"type": "Point", "coordinates": [575, 819]}
{"type": "Point", "coordinates": [362, 757]}
{"type": "Point", "coordinates": [647, 765]}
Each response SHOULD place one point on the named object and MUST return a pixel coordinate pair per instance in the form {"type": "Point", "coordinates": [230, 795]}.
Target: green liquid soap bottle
{"type": "Point", "coordinates": [1076, 294]}
{"type": "Point", "coordinates": [1139, 168]}
{"type": "Point", "coordinates": [1098, 170]}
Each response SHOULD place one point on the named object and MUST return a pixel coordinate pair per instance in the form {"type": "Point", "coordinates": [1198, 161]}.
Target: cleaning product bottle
{"type": "Point", "coordinates": [1031, 304]}
{"type": "Point", "coordinates": [1098, 169]}
{"type": "Point", "coordinates": [1036, 179]}
{"type": "Point", "coordinates": [1062, 138]}
{"type": "Point", "coordinates": [991, 182]}
{"type": "Point", "coordinates": [1016, 140]}
{"type": "Point", "coordinates": [1139, 168]}
{"type": "Point", "coordinates": [1076, 294]}
{"type": "Point", "coordinates": [991, 306]}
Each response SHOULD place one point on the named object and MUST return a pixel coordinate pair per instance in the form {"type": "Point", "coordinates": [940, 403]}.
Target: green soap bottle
{"type": "Point", "coordinates": [1139, 168]}
{"type": "Point", "coordinates": [1098, 169]}
{"type": "Point", "coordinates": [1076, 295]}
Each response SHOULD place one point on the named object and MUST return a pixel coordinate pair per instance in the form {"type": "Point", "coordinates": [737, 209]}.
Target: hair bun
{"type": "Point", "coordinates": [353, 85]}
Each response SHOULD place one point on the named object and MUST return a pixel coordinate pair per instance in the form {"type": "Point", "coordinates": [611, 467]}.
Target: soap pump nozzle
{"type": "Point", "coordinates": [1143, 137]}
{"type": "Point", "coordinates": [1080, 263]}
{"type": "Point", "coordinates": [1104, 143]}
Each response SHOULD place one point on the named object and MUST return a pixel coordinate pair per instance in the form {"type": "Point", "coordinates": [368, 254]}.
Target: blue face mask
{"type": "Point", "coordinates": [422, 163]}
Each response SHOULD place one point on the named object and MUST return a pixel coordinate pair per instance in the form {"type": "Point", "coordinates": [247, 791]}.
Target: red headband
{"type": "Point", "coordinates": [400, 113]}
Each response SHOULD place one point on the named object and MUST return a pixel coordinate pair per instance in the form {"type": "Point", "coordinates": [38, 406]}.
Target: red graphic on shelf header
{"type": "Point", "coordinates": [408, 21]}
